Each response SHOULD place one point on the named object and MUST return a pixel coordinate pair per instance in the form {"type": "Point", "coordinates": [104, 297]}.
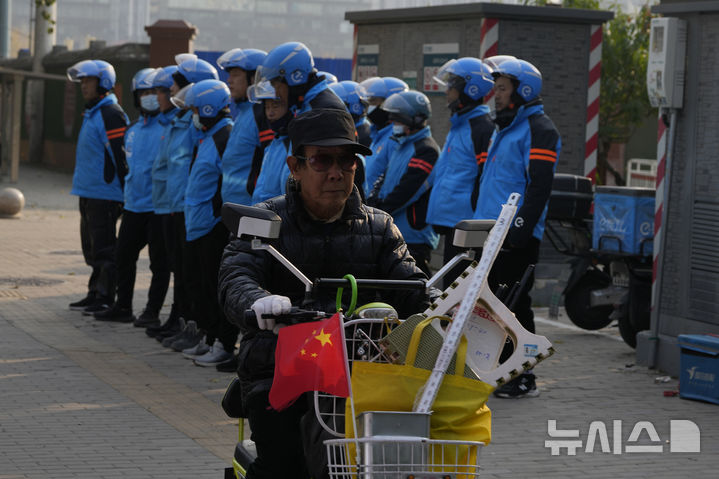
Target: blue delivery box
{"type": "Point", "coordinates": [699, 377]}
{"type": "Point", "coordinates": [623, 220]}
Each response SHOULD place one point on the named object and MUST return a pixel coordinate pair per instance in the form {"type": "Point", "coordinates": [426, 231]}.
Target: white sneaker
{"type": "Point", "coordinates": [197, 350]}
{"type": "Point", "coordinates": [214, 356]}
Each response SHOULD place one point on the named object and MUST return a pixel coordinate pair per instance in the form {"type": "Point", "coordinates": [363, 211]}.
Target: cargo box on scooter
{"type": "Point", "coordinates": [623, 220]}
{"type": "Point", "coordinates": [571, 197]}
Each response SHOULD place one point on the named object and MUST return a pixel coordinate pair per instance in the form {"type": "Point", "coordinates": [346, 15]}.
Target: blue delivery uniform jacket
{"type": "Point", "coordinates": [100, 165]}
{"type": "Point", "coordinates": [181, 147]}
{"type": "Point", "coordinates": [203, 198]}
{"type": "Point", "coordinates": [382, 147]}
{"type": "Point", "coordinates": [318, 96]}
{"type": "Point", "coordinates": [242, 159]}
{"type": "Point", "coordinates": [405, 191]}
{"type": "Point", "coordinates": [141, 145]}
{"type": "Point", "coordinates": [160, 198]}
{"type": "Point", "coordinates": [275, 171]}
{"type": "Point", "coordinates": [452, 179]}
{"type": "Point", "coordinates": [522, 158]}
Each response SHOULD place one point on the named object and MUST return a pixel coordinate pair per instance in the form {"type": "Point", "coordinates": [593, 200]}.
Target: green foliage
{"type": "Point", "coordinates": [40, 4]}
{"type": "Point", "coordinates": [624, 103]}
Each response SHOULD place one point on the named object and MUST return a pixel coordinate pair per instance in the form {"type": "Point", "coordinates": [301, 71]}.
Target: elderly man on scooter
{"type": "Point", "coordinates": [326, 232]}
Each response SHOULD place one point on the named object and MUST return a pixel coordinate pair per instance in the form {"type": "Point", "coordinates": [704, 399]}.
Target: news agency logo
{"type": "Point", "coordinates": [684, 436]}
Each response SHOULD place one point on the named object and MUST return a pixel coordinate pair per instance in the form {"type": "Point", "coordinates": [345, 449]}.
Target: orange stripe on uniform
{"type": "Point", "coordinates": [115, 135]}
{"type": "Point", "coordinates": [116, 130]}
{"type": "Point", "coordinates": [421, 164]}
{"type": "Point", "coordinates": [543, 158]}
{"type": "Point", "coordinates": [481, 158]}
{"type": "Point", "coordinates": [541, 151]}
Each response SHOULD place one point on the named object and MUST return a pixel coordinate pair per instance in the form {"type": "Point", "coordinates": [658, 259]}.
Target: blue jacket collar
{"type": "Point", "coordinates": [423, 133]}
{"type": "Point", "coordinates": [166, 116]}
{"type": "Point", "coordinates": [480, 110]}
{"type": "Point", "coordinates": [106, 100]}
{"type": "Point", "coordinates": [524, 112]}
{"type": "Point", "coordinates": [220, 124]}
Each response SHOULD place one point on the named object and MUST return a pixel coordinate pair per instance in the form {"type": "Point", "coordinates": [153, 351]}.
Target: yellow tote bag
{"type": "Point", "coordinates": [459, 412]}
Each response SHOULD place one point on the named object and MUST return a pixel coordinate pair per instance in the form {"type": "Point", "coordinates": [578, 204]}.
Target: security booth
{"type": "Point", "coordinates": [682, 78]}
{"type": "Point", "coordinates": [564, 44]}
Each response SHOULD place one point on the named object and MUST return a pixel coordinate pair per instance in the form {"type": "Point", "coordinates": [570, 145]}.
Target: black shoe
{"type": "Point", "coordinates": [190, 336]}
{"type": "Point", "coordinates": [115, 314]}
{"type": "Point", "coordinates": [172, 320]}
{"type": "Point", "coordinates": [96, 307]}
{"type": "Point", "coordinates": [182, 333]}
{"type": "Point", "coordinates": [523, 386]}
{"type": "Point", "coordinates": [147, 319]}
{"type": "Point", "coordinates": [83, 303]}
{"type": "Point", "coordinates": [173, 330]}
{"type": "Point", "coordinates": [229, 366]}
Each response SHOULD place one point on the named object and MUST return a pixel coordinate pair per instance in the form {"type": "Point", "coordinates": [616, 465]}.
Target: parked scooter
{"type": "Point", "coordinates": [611, 264]}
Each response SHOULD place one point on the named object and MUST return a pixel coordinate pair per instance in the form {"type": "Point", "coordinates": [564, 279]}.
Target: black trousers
{"type": "Point", "coordinates": [136, 231]}
{"type": "Point", "coordinates": [174, 231]}
{"type": "Point", "coordinates": [509, 267]}
{"type": "Point", "coordinates": [421, 253]}
{"type": "Point", "coordinates": [98, 222]}
{"type": "Point", "coordinates": [278, 438]}
{"type": "Point", "coordinates": [201, 259]}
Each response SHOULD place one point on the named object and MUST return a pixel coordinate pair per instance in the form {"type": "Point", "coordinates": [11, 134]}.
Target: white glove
{"type": "Point", "coordinates": [273, 304]}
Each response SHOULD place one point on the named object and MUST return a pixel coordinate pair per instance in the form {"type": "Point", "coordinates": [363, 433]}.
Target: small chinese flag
{"type": "Point", "coordinates": [309, 357]}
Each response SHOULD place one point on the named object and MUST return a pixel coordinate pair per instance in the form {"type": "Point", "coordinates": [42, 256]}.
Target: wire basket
{"type": "Point", "coordinates": [400, 457]}
{"type": "Point", "coordinates": [362, 338]}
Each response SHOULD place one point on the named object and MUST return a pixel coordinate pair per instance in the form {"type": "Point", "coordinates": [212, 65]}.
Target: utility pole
{"type": "Point", "coordinates": [45, 36]}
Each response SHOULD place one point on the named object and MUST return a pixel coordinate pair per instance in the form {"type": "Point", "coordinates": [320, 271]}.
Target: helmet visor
{"type": "Point", "coordinates": [180, 97]}
{"type": "Point", "coordinates": [231, 58]}
{"type": "Point", "coordinates": [397, 104]}
{"type": "Point", "coordinates": [82, 69]}
{"type": "Point", "coordinates": [445, 73]}
{"type": "Point", "coordinates": [181, 57]}
{"type": "Point", "coordinates": [261, 91]}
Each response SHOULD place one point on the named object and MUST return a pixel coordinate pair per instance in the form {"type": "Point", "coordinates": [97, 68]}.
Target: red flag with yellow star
{"type": "Point", "coordinates": [309, 357]}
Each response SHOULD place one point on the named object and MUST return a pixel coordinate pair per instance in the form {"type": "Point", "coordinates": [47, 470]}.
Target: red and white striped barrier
{"type": "Point", "coordinates": [354, 53]}
{"type": "Point", "coordinates": [659, 202]}
{"type": "Point", "coordinates": [488, 47]}
{"type": "Point", "coordinates": [592, 132]}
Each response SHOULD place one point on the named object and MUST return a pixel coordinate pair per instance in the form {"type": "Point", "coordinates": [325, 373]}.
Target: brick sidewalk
{"type": "Point", "coordinates": [84, 399]}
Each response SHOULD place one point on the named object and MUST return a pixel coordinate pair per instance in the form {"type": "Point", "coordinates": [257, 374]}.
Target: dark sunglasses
{"type": "Point", "coordinates": [322, 162]}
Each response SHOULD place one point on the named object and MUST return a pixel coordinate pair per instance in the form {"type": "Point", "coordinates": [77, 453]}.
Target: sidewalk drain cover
{"type": "Point", "coordinates": [30, 281]}
{"type": "Point", "coordinates": [11, 293]}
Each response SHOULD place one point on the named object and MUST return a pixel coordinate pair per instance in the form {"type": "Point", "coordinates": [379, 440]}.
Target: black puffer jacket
{"type": "Point", "coordinates": [364, 242]}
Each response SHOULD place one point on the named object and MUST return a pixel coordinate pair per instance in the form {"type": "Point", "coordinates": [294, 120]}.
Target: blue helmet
{"type": "Point", "coordinates": [143, 79]}
{"type": "Point", "coordinates": [528, 78]}
{"type": "Point", "coordinates": [410, 108]}
{"type": "Point", "coordinates": [467, 75]}
{"type": "Point", "coordinates": [331, 79]}
{"type": "Point", "coordinates": [93, 68]}
{"type": "Point", "coordinates": [195, 69]}
{"type": "Point", "coordinates": [163, 78]}
{"type": "Point", "coordinates": [209, 97]}
{"type": "Point", "coordinates": [383, 87]}
{"type": "Point", "coordinates": [353, 95]}
{"type": "Point", "coordinates": [497, 60]}
{"type": "Point", "coordinates": [248, 59]}
{"type": "Point", "coordinates": [292, 61]}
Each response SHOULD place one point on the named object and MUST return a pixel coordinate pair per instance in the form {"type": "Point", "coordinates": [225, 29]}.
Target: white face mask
{"type": "Point", "coordinates": [149, 102]}
{"type": "Point", "coordinates": [397, 130]}
{"type": "Point", "coordinates": [371, 108]}
{"type": "Point", "coordinates": [196, 121]}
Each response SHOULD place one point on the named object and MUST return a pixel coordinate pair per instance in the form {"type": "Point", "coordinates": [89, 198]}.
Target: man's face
{"type": "Point", "coordinates": [452, 95]}
{"type": "Point", "coordinates": [237, 81]}
{"type": "Point", "coordinates": [503, 89]}
{"type": "Point", "coordinates": [324, 193]}
{"type": "Point", "coordinates": [282, 90]}
{"type": "Point", "coordinates": [275, 109]}
{"type": "Point", "coordinates": [88, 88]}
{"type": "Point", "coordinates": [163, 98]}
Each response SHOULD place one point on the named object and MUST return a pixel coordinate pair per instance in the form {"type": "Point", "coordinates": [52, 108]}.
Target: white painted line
{"type": "Point", "coordinates": [571, 327]}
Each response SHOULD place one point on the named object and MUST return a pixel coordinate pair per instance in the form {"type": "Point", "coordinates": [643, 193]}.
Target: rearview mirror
{"type": "Point", "coordinates": [472, 233]}
{"type": "Point", "coordinates": [251, 221]}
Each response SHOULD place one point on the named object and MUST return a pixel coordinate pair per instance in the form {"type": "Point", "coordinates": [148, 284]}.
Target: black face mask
{"type": "Point", "coordinates": [379, 117]}
{"type": "Point", "coordinates": [279, 126]}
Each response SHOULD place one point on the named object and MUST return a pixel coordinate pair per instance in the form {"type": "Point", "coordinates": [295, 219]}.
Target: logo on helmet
{"type": "Point", "coordinates": [297, 76]}
{"type": "Point", "coordinates": [207, 110]}
{"type": "Point", "coordinates": [473, 90]}
{"type": "Point", "coordinates": [519, 222]}
{"type": "Point", "coordinates": [526, 91]}
{"type": "Point", "coordinates": [421, 99]}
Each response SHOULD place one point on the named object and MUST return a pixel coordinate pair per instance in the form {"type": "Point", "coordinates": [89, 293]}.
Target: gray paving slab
{"type": "Point", "coordinates": [82, 399]}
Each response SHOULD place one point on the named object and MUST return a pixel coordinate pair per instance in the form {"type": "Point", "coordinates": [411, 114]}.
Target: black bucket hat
{"type": "Point", "coordinates": [325, 127]}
